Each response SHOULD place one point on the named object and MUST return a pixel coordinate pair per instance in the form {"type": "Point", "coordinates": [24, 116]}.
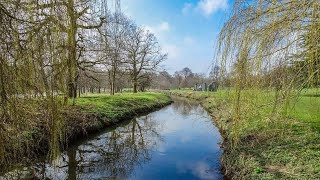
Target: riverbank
{"type": "Point", "coordinates": [94, 112]}
{"type": "Point", "coordinates": [90, 114]}
{"type": "Point", "coordinates": [267, 148]}
{"type": "Point", "coordinates": [178, 141]}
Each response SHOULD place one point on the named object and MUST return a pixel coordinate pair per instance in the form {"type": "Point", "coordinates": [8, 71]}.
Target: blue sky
{"type": "Point", "coordinates": [186, 29]}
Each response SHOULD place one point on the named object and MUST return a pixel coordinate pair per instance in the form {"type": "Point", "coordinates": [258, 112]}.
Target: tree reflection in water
{"type": "Point", "coordinates": [187, 107]}
{"type": "Point", "coordinates": [112, 155]}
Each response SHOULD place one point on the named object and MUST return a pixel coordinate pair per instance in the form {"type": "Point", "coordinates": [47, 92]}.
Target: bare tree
{"type": "Point", "coordinates": [143, 54]}
{"type": "Point", "coordinates": [178, 78]}
{"type": "Point", "coordinates": [113, 37]}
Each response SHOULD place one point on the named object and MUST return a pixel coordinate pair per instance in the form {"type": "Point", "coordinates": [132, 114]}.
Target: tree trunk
{"type": "Point", "coordinates": [135, 86]}
{"type": "Point", "coordinates": [72, 51]}
{"type": "Point", "coordinates": [3, 93]}
{"type": "Point", "coordinates": [112, 88]}
{"type": "Point", "coordinates": [135, 77]}
{"type": "Point", "coordinates": [111, 82]}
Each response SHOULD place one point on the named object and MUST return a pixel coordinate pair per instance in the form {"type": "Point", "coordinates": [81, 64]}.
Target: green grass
{"type": "Point", "coordinates": [305, 108]}
{"type": "Point", "coordinates": [268, 145]}
{"type": "Point", "coordinates": [114, 106]}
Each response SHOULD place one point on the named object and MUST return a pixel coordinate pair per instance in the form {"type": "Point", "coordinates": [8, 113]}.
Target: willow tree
{"type": "Point", "coordinates": [264, 39]}
{"type": "Point", "coordinates": [40, 54]}
{"type": "Point", "coordinates": [309, 58]}
{"type": "Point", "coordinates": [76, 12]}
{"type": "Point", "coordinates": [23, 76]}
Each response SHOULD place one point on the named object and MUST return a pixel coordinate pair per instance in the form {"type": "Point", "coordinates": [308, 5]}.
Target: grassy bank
{"type": "Point", "coordinates": [269, 146]}
{"type": "Point", "coordinates": [120, 105]}
{"type": "Point", "coordinates": [95, 111]}
{"type": "Point", "coordinates": [90, 114]}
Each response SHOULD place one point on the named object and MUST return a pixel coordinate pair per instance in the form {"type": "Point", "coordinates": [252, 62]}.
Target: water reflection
{"type": "Point", "coordinates": [184, 106]}
{"type": "Point", "coordinates": [177, 142]}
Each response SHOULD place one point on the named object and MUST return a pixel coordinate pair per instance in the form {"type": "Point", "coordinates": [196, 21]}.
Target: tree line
{"type": "Point", "coordinates": [183, 79]}
{"type": "Point", "coordinates": [48, 46]}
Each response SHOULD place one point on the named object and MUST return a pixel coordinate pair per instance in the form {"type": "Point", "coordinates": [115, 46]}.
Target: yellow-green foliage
{"type": "Point", "coordinates": [269, 52]}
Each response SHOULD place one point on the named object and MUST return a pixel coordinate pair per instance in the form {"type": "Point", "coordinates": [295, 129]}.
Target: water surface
{"type": "Point", "coordinates": [179, 141]}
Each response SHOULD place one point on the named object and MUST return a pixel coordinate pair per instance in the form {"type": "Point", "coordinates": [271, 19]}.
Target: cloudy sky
{"type": "Point", "coordinates": [186, 29]}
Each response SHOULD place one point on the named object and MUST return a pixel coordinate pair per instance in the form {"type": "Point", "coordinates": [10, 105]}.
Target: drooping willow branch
{"type": "Point", "coordinates": [271, 45]}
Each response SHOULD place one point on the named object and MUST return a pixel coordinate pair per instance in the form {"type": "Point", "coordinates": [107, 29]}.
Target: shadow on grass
{"type": "Point", "coordinates": [311, 95]}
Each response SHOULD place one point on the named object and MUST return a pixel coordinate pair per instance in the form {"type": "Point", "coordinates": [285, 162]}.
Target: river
{"type": "Point", "coordinates": [179, 141]}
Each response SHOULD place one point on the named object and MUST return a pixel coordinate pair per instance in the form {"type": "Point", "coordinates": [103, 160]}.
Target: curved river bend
{"type": "Point", "coordinates": [179, 141]}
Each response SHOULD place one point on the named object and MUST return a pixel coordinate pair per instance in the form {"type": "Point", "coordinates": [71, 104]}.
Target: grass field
{"type": "Point", "coordinates": [305, 108]}
{"type": "Point", "coordinates": [268, 145]}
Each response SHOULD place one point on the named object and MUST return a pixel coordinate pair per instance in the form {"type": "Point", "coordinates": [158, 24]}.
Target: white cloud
{"type": "Point", "coordinates": [206, 7]}
{"type": "Point", "coordinates": [173, 51]}
{"type": "Point", "coordinates": [164, 27]}
{"type": "Point", "coordinates": [159, 29]}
